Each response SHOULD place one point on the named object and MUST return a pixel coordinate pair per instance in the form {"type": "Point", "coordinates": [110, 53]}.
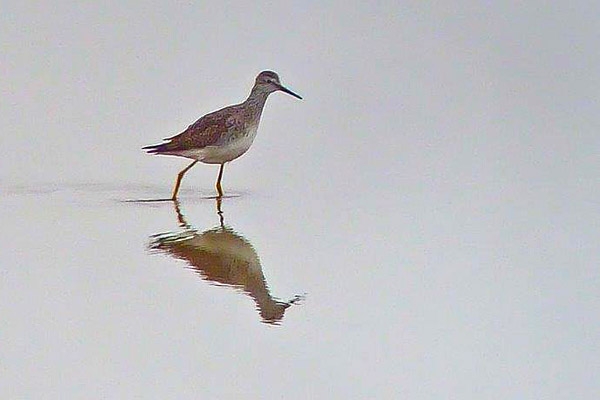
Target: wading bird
{"type": "Point", "coordinates": [223, 135]}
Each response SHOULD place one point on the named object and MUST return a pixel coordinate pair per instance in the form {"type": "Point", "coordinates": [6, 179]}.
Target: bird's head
{"type": "Point", "coordinates": [269, 82]}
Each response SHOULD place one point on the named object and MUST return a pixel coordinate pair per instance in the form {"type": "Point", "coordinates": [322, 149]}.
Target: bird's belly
{"type": "Point", "coordinates": [225, 152]}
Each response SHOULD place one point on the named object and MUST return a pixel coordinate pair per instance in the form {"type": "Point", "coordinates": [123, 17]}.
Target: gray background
{"type": "Point", "coordinates": [435, 195]}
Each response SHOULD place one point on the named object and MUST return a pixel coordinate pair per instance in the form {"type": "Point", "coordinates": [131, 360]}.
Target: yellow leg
{"type": "Point", "coordinates": [219, 188]}
{"type": "Point", "coordinates": [179, 178]}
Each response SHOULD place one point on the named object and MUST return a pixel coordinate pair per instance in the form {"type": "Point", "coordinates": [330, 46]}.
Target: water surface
{"type": "Point", "coordinates": [277, 297]}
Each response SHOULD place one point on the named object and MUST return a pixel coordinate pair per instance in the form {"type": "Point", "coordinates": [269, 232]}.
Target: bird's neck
{"type": "Point", "coordinates": [257, 99]}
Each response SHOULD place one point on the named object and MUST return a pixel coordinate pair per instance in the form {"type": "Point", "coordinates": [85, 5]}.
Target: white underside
{"type": "Point", "coordinates": [223, 153]}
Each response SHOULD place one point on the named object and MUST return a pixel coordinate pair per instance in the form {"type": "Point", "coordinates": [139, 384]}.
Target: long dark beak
{"type": "Point", "coordinates": [288, 91]}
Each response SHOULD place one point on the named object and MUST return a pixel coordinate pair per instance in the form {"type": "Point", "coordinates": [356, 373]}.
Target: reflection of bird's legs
{"type": "Point", "coordinates": [220, 212]}
{"type": "Point", "coordinates": [180, 217]}
{"type": "Point", "coordinates": [179, 178]}
{"type": "Point", "coordinates": [219, 188]}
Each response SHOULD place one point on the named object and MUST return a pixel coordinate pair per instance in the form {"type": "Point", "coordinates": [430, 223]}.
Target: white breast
{"type": "Point", "coordinates": [225, 152]}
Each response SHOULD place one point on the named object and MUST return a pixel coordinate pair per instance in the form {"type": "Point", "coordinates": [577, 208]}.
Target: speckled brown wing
{"type": "Point", "coordinates": [206, 131]}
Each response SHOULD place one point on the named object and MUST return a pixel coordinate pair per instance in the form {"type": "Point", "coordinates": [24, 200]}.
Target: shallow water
{"type": "Point", "coordinates": [273, 298]}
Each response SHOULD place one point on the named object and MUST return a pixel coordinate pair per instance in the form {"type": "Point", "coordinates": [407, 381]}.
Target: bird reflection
{"type": "Point", "coordinates": [223, 257]}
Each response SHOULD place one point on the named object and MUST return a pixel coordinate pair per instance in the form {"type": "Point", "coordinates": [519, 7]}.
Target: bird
{"type": "Point", "coordinates": [223, 135]}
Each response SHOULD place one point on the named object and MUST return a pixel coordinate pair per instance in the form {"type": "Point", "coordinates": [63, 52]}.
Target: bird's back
{"type": "Point", "coordinates": [213, 129]}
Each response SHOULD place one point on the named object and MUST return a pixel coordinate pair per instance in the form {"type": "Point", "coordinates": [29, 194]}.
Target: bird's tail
{"type": "Point", "coordinates": [158, 148]}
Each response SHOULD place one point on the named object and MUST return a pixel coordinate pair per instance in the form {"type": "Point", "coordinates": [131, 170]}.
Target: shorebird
{"type": "Point", "coordinates": [223, 135]}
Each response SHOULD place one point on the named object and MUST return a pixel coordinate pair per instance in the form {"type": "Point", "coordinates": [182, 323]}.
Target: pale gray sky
{"type": "Point", "coordinates": [406, 84]}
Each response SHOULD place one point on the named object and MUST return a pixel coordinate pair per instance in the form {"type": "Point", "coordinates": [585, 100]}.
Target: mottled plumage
{"type": "Point", "coordinates": [222, 135]}
{"type": "Point", "coordinates": [210, 130]}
